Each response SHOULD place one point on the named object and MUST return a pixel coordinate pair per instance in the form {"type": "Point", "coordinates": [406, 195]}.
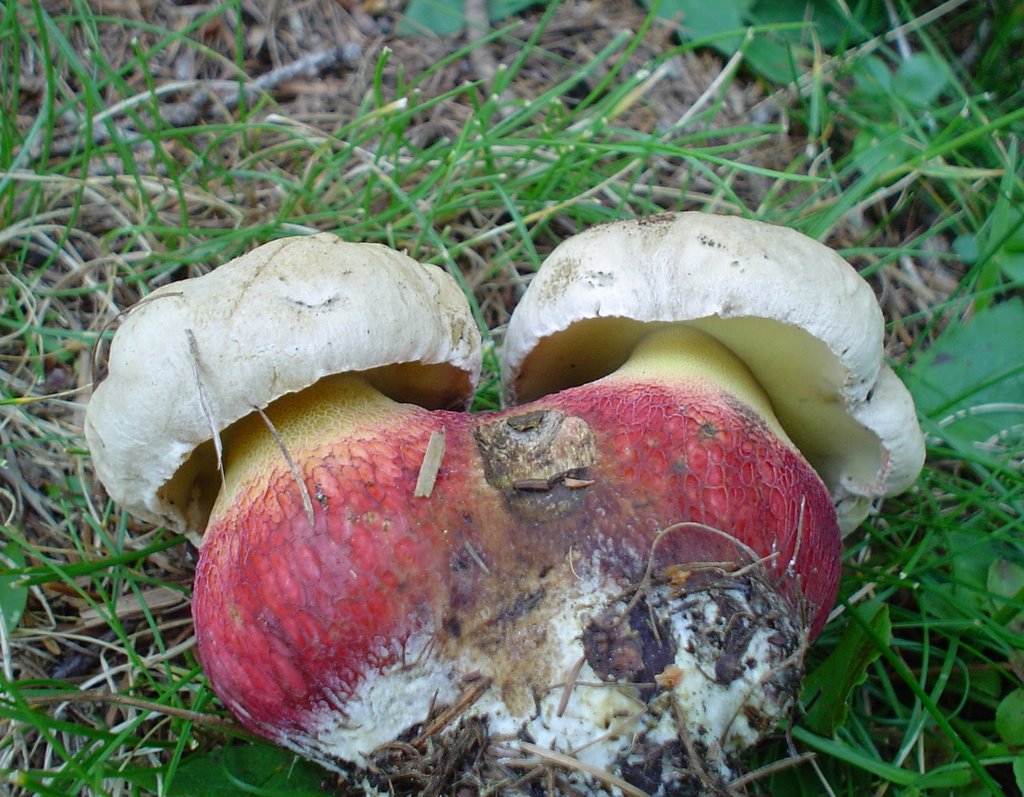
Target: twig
{"type": "Point", "coordinates": [431, 465]}
{"type": "Point", "coordinates": [204, 405]}
{"type": "Point", "coordinates": [724, 74]}
{"type": "Point", "coordinates": [694, 758]}
{"type": "Point", "coordinates": [770, 769]}
{"type": "Point", "coordinates": [478, 25]}
{"type": "Point", "coordinates": [307, 502]}
{"type": "Point", "coordinates": [899, 33]}
{"type": "Point", "coordinates": [227, 93]}
{"type": "Point", "coordinates": [570, 685]}
{"type": "Point", "coordinates": [570, 763]}
{"type": "Point", "coordinates": [476, 557]}
{"type": "Point", "coordinates": [452, 712]}
{"type": "Point", "coordinates": [683, 524]}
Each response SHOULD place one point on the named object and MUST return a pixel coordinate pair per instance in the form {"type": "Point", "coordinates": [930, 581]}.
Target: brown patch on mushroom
{"type": "Point", "coordinates": [539, 460]}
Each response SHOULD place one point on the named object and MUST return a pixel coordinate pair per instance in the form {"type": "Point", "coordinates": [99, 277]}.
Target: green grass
{"type": "Point", "coordinates": [101, 200]}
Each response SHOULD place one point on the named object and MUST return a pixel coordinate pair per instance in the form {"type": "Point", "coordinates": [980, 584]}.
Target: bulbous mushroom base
{"type": "Point", "coordinates": [657, 689]}
{"type": "Point", "coordinates": [540, 623]}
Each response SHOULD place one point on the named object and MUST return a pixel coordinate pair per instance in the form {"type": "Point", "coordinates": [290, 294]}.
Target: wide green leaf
{"type": "Point", "coordinates": [1010, 718]}
{"type": "Point", "coordinates": [919, 79]}
{"type": "Point", "coordinates": [826, 693]}
{"type": "Point", "coordinates": [253, 768]}
{"type": "Point", "coordinates": [701, 20]}
{"type": "Point", "coordinates": [447, 17]}
{"type": "Point", "coordinates": [441, 17]}
{"type": "Point", "coordinates": [829, 26]}
{"type": "Point", "coordinates": [970, 383]}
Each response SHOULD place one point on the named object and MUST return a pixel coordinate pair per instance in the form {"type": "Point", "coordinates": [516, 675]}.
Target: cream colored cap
{"type": "Point", "coordinates": [802, 319]}
{"type": "Point", "coordinates": [200, 354]}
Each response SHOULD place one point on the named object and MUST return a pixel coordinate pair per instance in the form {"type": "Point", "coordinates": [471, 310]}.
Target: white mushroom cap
{"type": "Point", "coordinates": [800, 317]}
{"type": "Point", "coordinates": [200, 354]}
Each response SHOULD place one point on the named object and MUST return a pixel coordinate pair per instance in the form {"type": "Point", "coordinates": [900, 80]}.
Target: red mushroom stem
{"type": "Point", "coordinates": [636, 529]}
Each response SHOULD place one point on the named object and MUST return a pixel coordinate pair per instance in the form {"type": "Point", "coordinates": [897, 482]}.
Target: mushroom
{"type": "Point", "coordinates": [795, 313]}
{"type": "Point", "coordinates": [618, 578]}
{"type": "Point", "coordinates": [198, 355]}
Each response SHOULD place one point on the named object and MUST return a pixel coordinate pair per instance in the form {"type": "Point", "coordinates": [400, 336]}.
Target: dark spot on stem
{"type": "Point", "coordinates": [634, 648]}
